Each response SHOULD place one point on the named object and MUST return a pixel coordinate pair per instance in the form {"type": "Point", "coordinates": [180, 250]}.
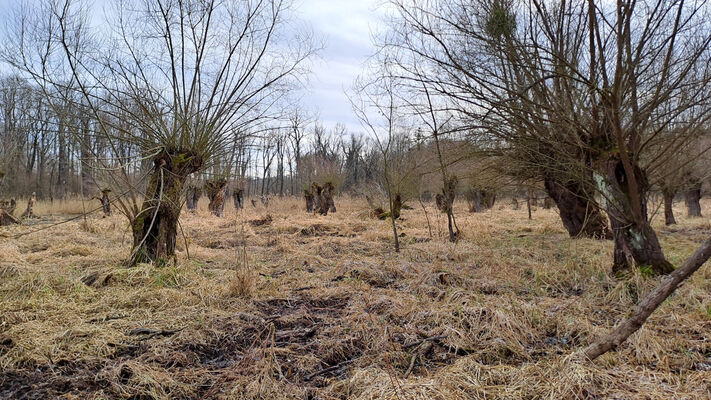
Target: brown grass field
{"type": "Point", "coordinates": [312, 307]}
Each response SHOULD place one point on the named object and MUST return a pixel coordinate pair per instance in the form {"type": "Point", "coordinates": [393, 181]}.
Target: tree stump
{"type": "Point", "coordinates": [7, 219]}
{"type": "Point", "coordinates": [309, 199]}
{"type": "Point", "coordinates": [105, 202]}
{"type": "Point", "coordinates": [29, 211]}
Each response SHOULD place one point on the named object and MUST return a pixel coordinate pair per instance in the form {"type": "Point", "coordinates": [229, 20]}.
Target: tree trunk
{"type": "Point", "coordinates": [237, 198]}
{"type": "Point", "coordinates": [647, 306]}
{"type": "Point", "coordinates": [86, 162]}
{"type": "Point", "coordinates": [445, 203]}
{"type": "Point", "coordinates": [668, 204]}
{"type": "Point", "coordinates": [192, 196]}
{"type": "Point", "coordinates": [105, 202]}
{"type": "Point", "coordinates": [474, 200]}
{"type": "Point", "coordinates": [7, 219]}
{"type": "Point", "coordinates": [215, 190]}
{"type": "Point", "coordinates": [479, 200]}
{"type": "Point", "coordinates": [309, 198]}
{"type": "Point", "coordinates": [693, 197]}
{"type": "Point", "coordinates": [634, 237]}
{"type": "Point", "coordinates": [325, 201]}
{"type": "Point", "coordinates": [528, 206]}
{"type": "Point", "coordinates": [155, 228]}
{"type": "Point", "coordinates": [30, 210]}
{"type": "Point", "coordinates": [580, 215]}
{"type": "Point", "coordinates": [62, 162]}
{"type": "Point", "coordinates": [397, 206]}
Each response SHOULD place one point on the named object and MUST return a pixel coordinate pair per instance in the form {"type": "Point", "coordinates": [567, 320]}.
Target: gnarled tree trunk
{"type": "Point", "coordinates": [479, 199]}
{"type": "Point", "coordinates": [238, 199]}
{"type": "Point", "coordinates": [580, 215]}
{"type": "Point", "coordinates": [634, 237]}
{"type": "Point", "coordinates": [7, 218]}
{"type": "Point", "coordinates": [309, 198]}
{"type": "Point", "coordinates": [215, 190]}
{"type": "Point", "coordinates": [325, 198]}
{"type": "Point", "coordinates": [192, 197]}
{"type": "Point", "coordinates": [105, 202]}
{"type": "Point", "coordinates": [668, 195]}
{"type": "Point", "coordinates": [445, 203]}
{"type": "Point", "coordinates": [30, 210]}
{"type": "Point", "coordinates": [693, 200]}
{"type": "Point", "coordinates": [155, 228]}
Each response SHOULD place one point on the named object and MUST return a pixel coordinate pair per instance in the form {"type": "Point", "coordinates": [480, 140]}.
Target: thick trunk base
{"type": "Point", "coordinates": [155, 228]}
{"type": "Point", "coordinates": [215, 190]}
{"type": "Point", "coordinates": [693, 201]}
{"type": "Point", "coordinates": [7, 218]}
{"type": "Point", "coordinates": [238, 199]}
{"type": "Point", "coordinates": [668, 207]}
{"type": "Point", "coordinates": [479, 200]}
{"type": "Point", "coordinates": [635, 240]}
{"type": "Point", "coordinates": [580, 215]}
{"type": "Point", "coordinates": [192, 197]}
{"type": "Point", "coordinates": [309, 199]}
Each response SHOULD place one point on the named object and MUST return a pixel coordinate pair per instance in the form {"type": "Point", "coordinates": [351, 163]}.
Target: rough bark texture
{"type": "Point", "coordinates": [325, 198]}
{"type": "Point", "coordinates": [397, 206]}
{"type": "Point", "coordinates": [238, 199]}
{"type": "Point", "coordinates": [8, 205]}
{"type": "Point", "coordinates": [215, 190]}
{"type": "Point", "coordinates": [634, 237]}
{"type": "Point", "coordinates": [105, 202]}
{"type": "Point", "coordinates": [693, 200]}
{"type": "Point", "coordinates": [650, 303]}
{"type": "Point", "coordinates": [580, 215]}
{"type": "Point", "coordinates": [155, 228]}
{"type": "Point", "coordinates": [316, 195]}
{"type": "Point", "coordinates": [192, 197]}
{"type": "Point", "coordinates": [309, 198]}
{"type": "Point", "coordinates": [479, 200]}
{"type": "Point", "coordinates": [7, 218]}
{"type": "Point", "coordinates": [668, 206]}
{"type": "Point", "coordinates": [445, 203]}
{"type": "Point", "coordinates": [30, 210]}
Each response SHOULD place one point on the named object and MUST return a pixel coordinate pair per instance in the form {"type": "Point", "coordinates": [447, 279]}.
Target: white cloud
{"type": "Point", "coordinates": [347, 27]}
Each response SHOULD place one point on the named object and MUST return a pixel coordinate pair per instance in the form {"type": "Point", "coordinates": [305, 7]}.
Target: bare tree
{"type": "Point", "coordinates": [377, 106]}
{"type": "Point", "coordinates": [183, 75]}
{"type": "Point", "coordinates": [584, 95]}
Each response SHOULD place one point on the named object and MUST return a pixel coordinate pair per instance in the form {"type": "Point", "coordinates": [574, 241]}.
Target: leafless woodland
{"type": "Point", "coordinates": [520, 213]}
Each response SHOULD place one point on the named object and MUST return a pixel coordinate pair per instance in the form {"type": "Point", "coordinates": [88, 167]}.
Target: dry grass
{"type": "Point", "coordinates": [304, 306]}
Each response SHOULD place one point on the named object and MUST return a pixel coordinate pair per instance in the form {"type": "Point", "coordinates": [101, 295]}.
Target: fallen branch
{"type": "Point", "coordinates": [650, 303]}
{"type": "Point", "coordinates": [153, 332]}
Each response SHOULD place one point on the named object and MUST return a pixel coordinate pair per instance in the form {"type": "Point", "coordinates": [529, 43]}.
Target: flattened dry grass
{"type": "Point", "coordinates": [278, 304]}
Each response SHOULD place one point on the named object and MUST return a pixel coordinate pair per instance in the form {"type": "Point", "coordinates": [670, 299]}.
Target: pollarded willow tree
{"type": "Point", "coordinates": [179, 79]}
{"type": "Point", "coordinates": [589, 95]}
{"type": "Point", "coordinates": [454, 49]}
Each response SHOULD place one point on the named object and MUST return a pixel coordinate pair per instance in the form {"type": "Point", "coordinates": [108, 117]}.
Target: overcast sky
{"type": "Point", "coordinates": [346, 26]}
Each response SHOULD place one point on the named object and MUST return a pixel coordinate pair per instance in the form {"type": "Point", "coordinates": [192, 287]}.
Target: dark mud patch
{"type": "Point", "coordinates": [61, 380]}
